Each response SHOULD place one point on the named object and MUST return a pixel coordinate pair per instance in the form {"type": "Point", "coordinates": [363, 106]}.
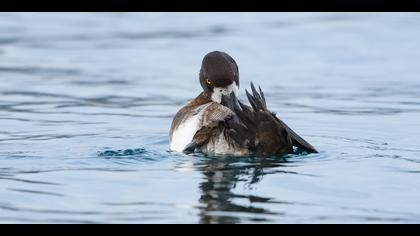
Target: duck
{"type": "Point", "coordinates": [216, 122]}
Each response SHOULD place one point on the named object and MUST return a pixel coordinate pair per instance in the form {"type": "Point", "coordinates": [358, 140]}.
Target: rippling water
{"type": "Point", "coordinates": [87, 100]}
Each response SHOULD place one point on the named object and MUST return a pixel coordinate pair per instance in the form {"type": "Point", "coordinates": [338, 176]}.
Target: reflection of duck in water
{"type": "Point", "coordinates": [221, 177]}
{"type": "Point", "coordinates": [217, 123]}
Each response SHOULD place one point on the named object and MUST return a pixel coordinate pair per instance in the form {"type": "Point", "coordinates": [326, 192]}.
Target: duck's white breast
{"type": "Point", "coordinates": [184, 133]}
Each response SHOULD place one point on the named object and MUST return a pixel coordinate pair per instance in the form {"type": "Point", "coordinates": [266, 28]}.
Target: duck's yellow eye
{"type": "Point", "coordinates": [208, 81]}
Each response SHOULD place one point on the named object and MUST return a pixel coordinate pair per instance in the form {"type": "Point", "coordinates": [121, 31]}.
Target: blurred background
{"type": "Point", "coordinates": [87, 99]}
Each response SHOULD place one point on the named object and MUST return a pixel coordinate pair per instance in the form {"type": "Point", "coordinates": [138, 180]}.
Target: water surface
{"type": "Point", "coordinates": [86, 102]}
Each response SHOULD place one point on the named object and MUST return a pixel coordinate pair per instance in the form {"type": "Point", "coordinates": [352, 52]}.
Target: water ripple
{"type": "Point", "coordinates": [36, 192]}
{"type": "Point", "coordinates": [38, 71]}
{"type": "Point", "coordinates": [85, 110]}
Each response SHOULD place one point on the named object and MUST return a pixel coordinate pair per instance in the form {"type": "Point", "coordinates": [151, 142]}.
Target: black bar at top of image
{"type": "Point", "coordinates": [210, 5]}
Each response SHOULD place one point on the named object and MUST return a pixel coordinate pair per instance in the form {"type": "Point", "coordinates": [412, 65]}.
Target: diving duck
{"type": "Point", "coordinates": [217, 123]}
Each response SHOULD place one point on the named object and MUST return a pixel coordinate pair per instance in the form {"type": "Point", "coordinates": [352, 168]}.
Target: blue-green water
{"type": "Point", "coordinates": [87, 101]}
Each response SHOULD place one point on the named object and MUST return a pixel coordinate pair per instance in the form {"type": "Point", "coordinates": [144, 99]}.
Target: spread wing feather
{"type": "Point", "coordinates": [251, 127]}
{"type": "Point", "coordinates": [256, 128]}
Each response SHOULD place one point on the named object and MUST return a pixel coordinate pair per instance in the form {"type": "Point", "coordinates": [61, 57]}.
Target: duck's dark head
{"type": "Point", "coordinates": [219, 75]}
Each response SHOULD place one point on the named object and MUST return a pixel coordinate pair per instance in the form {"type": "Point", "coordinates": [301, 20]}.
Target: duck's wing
{"type": "Point", "coordinates": [212, 120]}
{"type": "Point", "coordinates": [297, 140]}
{"type": "Point", "coordinates": [257, 128]}
{"type": "Point", "coordinates": [254, 128]}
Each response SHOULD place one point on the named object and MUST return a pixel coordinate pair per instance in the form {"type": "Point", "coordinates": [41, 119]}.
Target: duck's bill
{"type": "Point", "coordinates": [229, 101]}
